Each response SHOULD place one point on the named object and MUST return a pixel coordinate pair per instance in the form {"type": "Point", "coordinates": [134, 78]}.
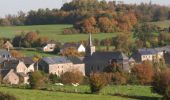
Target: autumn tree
{"type": "Point", "coordinates": [161, 83]}
{"type": "Point", "coordinates": [16, 54]}
{"type": "Point", "coordinates": [105, 25]}
{"type": "Point", "coordinates": [73, 76]}
{"type": "Point", "coordinates": [144, 72]}
{"type": "Point", "coordinates": [71, 51]}
{"type": "Point", "coordinates": [97, 82]}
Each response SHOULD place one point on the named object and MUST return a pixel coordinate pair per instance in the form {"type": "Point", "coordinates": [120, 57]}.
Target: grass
{"type": "Point", "coordinates": [51, 31]}
{"type": "Point", "coordinates": [31, 53]}
{"type": "Point", "coordinates": [162, 24]}
{"type": "Point", "coordinates": [24, 94]}
{"type": "Point", "coordinates": [130, 90]}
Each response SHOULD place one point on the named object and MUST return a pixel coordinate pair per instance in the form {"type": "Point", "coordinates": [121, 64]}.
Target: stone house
{"type": "Point", "coordinates": [59, 65]}
{"type": "Point", "coordinates": [17, 65]}
{"type": "Point", "coordinates": [9, 77]}
{"type": "Point", "coordinates": [7, 45]}
{"type": "Point", "coordinates": [150, 54]}
{"type": "Point", "coordinates": [29, 63]}
{"type": "Point", "coordinates": [5, 54]}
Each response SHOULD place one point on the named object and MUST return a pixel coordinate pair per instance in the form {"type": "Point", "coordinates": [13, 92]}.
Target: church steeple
{"type": "Point", "coordinates": [90, 48]}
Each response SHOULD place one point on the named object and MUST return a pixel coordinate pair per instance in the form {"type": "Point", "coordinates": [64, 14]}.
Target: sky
{"type": "Point", "coordinates": [13, 6]}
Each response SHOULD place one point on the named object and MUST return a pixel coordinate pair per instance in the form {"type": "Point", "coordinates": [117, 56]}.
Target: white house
{"type": "Point", "coordinates": [49, 46]}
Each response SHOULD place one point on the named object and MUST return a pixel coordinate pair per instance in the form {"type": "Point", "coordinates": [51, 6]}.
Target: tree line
{"type": "Point", "coordinates": [78, 10]}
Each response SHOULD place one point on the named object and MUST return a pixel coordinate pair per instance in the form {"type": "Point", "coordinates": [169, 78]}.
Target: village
{"type": "Point", "coordinates": [94, 61]}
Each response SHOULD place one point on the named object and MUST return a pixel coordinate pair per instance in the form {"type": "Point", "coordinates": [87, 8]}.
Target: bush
{"type": "Point", "coordinates": [119, 78]}
{"type": "Point", "coordinates": [73, 76]}
{"type": "Point", "coordinates": [5, 96]}
{"type": "Point", "coordinates": [37, 80]}
{"type": "Point", "coordinates": [144, 73]}
{"type": "Point", "coordinates": [97, 82]}
{"type": "Point", "coordinates": [53, 78]}
{"type": "Point", "coordinates": [161, 83]}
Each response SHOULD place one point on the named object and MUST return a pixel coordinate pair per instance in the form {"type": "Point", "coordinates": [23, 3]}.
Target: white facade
{"type": "Point", "coordinates": [81, 48]}
{"type": "Point", "coordinates": [49, 47]}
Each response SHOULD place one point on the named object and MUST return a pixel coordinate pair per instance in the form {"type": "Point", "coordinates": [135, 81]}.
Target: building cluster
{"type": "Point", "coordinates": [12, 69]}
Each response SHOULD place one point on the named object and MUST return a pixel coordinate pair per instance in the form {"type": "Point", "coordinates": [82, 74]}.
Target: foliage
{"type": "Point", "coordinates": [162, 82]}
{"type": "Point", "coordinates": [144, 72]}
{"type": "Point", "coordinates": [16, 54]}
{"type": "Point", "coordinates": [6, 96]}
{"type": "Point", "coordinates": [36, 80]}
{"type": "Point", "coordinates": [119, 78]}
{"type": "Point", "coordinates": [71, 51]}
{"type": "Point", "coordinates": [97, 82]}
{"type": "Point", "coordinates": [73, 76]}
{"type": "Point", "coordinates": [53, 78]}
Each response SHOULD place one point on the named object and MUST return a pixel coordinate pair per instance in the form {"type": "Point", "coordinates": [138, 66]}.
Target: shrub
{"type": "Point", "coordinates": [119, 78]}
{"type": "Point", "coordinates": [144, 73]}
{"type": "Point", "coordinates": [73, 76]}
{"type": "Point", "coordinates": [53, 78]}
{"type": "Point", "coordinates": [161, 83]}
{"type": "Point", "coordinates": [5, 96]}
{"type": "Point", "coordinates": [37, 80]}
{"type": "Point", "coordinates": [97, 82]}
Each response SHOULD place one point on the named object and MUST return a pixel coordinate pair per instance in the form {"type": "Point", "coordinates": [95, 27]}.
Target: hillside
{"type": "Point", "coordinates": [162, 24]}
{"type": "Point", "coordinates": [51, 31]}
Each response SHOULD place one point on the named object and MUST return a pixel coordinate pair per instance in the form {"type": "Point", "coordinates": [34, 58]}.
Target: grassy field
{"type": "Point", "coordinates": [51, 31]}
{"type": "Point", "coordinates": [36, 52]}
{"type": "Point", "coordinates": [162, 24]}
{"type": "Point", "coordinates": [24, 94]}
{"type": "Point", "coordinates": [130, 90]}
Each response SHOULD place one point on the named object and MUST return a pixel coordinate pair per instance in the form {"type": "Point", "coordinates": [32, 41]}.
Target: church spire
{"type": "Point", "coordinates": [90, 40]}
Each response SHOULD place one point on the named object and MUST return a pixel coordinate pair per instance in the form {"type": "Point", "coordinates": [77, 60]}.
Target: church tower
{"type": "Point", "coordinates": [90, 48]}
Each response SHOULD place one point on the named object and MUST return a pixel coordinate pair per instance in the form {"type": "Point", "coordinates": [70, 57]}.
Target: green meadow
{"type": "Point", "coordinates": [54, 32]}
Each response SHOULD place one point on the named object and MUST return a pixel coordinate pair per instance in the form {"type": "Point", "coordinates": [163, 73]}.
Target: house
{"type": "Point", "coordinates": [49, 46]}
{"type": "Point", "coordinates": [25, 77]}
{"type": "Point", "coordinates": [79, 47]}
{"type": "Point", "coordinates": [59, 65]}
{"type": "Point", "coordinates": [5, 54]}
{"type": "Point", "coordinates": [9, 77]}
{"type": "Point", "coordinates": [30, 64]}
{"type": "Point", "coordinates": [100, 60]}
{"type": "Point", "coordinates": [7, 45]}
{"type": "Point", "coordinates": [17, 65]}
{"type": "Point", "coordinates": [148, 54]}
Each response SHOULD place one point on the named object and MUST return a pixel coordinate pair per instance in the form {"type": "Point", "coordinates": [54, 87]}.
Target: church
{"type": "Point", "coordinates": [96, 61]}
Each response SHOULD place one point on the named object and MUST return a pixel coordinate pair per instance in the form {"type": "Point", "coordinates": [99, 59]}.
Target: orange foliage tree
{"type": "Point", "coordinates": [16, 54]}
{"type": "Point", "coordinates": [144, 72]}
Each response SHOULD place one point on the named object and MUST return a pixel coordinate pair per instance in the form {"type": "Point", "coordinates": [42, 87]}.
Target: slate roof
{"type": "Point", "coordinates": [11, 64]}
{"type": "Point", "coordinates": [106, 56]}
{"type": "Point", "coordinates": [4, 53]}
{"type": "Point", "coordinates": [27, 60]}
{"type": "Point", "coordinates": [54, 60]}
{"type": "Point", "coordinates": [75, 60]}
{"type": "Point", "coordinates": [3, 73]}
{"type": "Point", "coordinates": [147, 51]}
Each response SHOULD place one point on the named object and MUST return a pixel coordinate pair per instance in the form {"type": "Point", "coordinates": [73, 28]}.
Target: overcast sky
{"type": "Point", "coordinates": [13, 6]}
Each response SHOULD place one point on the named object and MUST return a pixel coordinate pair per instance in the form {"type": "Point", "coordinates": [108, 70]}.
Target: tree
{"type": "Point", "coordinates": [161, 83]}
{"type": "Point", "coordinates": [144, 72]}
{"type": "Point", "coordinates": [53, 78]}
{"type": "Point", "coordinates": [71, 51]}
{"type": "Point", "coordinates": [31, 37]}
{"type": "Point", "coordinates": [16, 54]}
{"type": "Point", "coordinates": [36, 80]}
{"type": "Point", "coordinates": [105, 24]}
{"type": "Point", "coordinates": [73, 76]}
{"type": "Point", "coordinates": [97, 82]}
{"type": "Point", "coordinates": [122, 42]}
